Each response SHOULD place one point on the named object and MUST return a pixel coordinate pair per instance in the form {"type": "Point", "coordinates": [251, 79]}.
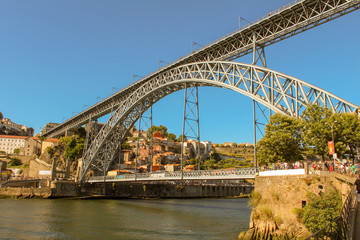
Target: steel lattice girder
{"type": "Point", "coordinates": [279, 25]}
{"type": "Point", "coordinates": [277, 91]}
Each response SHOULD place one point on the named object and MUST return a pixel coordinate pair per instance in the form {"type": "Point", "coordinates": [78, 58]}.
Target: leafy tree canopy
{"type": "Point", "coordinates": [179, 139]}
{"type": "Point", "coordinates": [282, 141]}
{"type": "Point", "coordinates": [172, 137]}
{"type": "Point", "coordinates": [161, 128]}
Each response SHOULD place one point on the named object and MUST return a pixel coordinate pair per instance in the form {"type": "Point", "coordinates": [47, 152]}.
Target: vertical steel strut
{"type": "Point", "coordinates": [258, 57]}
{"type": "Point", "coordinates": [191, 124]}
{"type": "Point", "coordinates": [145, 122]}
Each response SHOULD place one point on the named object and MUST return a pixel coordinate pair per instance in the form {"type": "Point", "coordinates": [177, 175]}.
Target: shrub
{"type": "Point", "coordinates": [267, 213]}
{"type": "Point", "coordinates": [15, 162]}
{"type": "Point", "coordinates": [299, 212]}
{"type": "Point", "coordinates": [321, 210]}
{"type": "Point", "coordinates": [278, 220]}
{"type": "Point", "coordinates": [255, 198]}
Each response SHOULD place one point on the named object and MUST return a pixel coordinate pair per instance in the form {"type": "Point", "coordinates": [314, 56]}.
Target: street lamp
{"type": "Point", "coordinates": [332, 137]}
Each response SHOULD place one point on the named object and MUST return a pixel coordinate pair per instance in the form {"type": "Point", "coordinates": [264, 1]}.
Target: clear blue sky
{"type": "Point", "coordinates": [57, 56]}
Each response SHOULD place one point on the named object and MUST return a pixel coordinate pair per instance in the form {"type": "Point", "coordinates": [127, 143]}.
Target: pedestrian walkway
{"type": "Point", "coordinates": [357, 222]}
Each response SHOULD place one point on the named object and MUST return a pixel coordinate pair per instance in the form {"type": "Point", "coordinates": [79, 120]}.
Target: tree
{"type": "Point", "coordinates": [321, 210]}
{"type": "Point", "coordinates": [234, 144]}
{"type": "Point", "coordinates": [316, 132]}
{"type": "Point", "coordinates": [172, 137]}
{"type": "Point", "coordinates": [348, 136]}
{"type": "Point", "coordinates": [17, 150]}
{"type": "Point", "coordinates": [282, 141]}
{"type": "Point", "coordinates": [73, 146]}
{"type": "Point", "coordinates": [161, 128]}
{"type": "Point", "coordinates": [179, 139]}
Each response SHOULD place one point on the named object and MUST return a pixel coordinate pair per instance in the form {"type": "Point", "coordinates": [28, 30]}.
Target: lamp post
{"type": "Point", "coordinates": [332, 137]}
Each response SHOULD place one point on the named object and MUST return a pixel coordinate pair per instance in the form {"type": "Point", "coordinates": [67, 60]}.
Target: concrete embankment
{"type": "Point", "coordinates": [128, 190]}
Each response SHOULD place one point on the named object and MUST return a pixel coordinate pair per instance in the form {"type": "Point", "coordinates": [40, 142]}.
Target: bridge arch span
{"type": "Point", "coordinates": [277, 91]}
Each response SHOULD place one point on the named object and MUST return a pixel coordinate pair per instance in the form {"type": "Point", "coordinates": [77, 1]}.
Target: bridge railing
{"type": "Point", "coordinates": [203, 174]}
{"type": "Point", "coordinates": [341, 227]}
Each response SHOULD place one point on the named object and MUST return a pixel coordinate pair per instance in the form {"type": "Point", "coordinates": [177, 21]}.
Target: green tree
{"type": "Point", "coordinates": [321, 210]}
{"type": "Point", "coordinates": [17, 150]}
{"type": "Point", "coordinates": [234, 144]}
{"type": "Point", "coordinates": [73, 146]}
{"type": "Point", "coordinates": [348, 135]}
{"type": "Point", "coordinates": [161, 128]}
{"type": "Point", "coordinates": [282, 141]}
{"type": "Point", "coordinates": [172, 137]}
{"type": "Point", "coordinates": [316, 132]}
{"type": "Point", "coordinates": [179, 139]}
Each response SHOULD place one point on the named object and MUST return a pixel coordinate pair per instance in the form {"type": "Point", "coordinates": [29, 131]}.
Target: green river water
{"type": "Point", "coordinates": [123, 219]}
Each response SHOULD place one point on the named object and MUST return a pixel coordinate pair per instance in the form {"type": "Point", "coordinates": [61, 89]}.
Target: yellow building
{"type": "Point", "coordinates": [48, 143]}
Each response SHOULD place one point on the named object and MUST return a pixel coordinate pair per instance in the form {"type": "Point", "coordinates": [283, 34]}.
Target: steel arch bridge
{"type": "Point", "coordinates": [279, 92]}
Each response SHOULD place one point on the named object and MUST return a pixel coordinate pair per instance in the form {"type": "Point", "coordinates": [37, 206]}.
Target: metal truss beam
{"type": "Point", "coordinates": [281, 93]}
{"type": "Point", "coordinates": [276, 26]}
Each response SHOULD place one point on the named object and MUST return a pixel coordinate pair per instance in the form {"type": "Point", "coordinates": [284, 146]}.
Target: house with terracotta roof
{"type": "Point", "coordinates": [48, 143]}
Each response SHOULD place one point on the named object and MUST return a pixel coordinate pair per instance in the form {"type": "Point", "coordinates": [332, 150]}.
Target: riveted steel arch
{"type": "Point", "coordinates": [277, 91]}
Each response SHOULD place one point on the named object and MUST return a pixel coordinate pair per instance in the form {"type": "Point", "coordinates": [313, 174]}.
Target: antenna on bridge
{"type": "Point", "coordinates": [194, 43]}
{"type": "Point", "coordinates": [240, 18]}
{"type": "Point", "coordinates": [135, 75]}
{"type": "Point", "coordinates": [97, 98]}
{"type": "Point", "coordinates": [112, 90]}
{"type": "Point", "coordinates": [161, 61]}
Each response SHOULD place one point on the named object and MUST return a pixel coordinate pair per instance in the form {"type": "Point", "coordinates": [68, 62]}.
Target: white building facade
{"type": "Point", "coordinates": [9, 143]}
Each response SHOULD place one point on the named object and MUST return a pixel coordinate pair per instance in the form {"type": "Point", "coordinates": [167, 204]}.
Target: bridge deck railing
{"type": "Point", "coordinates": [203, 174]}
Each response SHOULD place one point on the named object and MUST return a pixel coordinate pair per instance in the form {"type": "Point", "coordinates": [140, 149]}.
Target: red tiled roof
{"type": "Point", "coordinates": [10, 136]}
{"type": "Point", "coordinates": [53, 140]}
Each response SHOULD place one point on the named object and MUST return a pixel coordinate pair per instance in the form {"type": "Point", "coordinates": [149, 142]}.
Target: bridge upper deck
{"type": "Point", "coordinates": [276, 26]}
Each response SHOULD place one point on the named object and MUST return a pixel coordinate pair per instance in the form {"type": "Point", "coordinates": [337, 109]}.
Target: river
{"type": "Point", "coordinates": [123, 219]}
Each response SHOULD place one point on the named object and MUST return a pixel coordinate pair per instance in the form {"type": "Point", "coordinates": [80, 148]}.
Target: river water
{"type": "Point", "coordinates": [123, 219]}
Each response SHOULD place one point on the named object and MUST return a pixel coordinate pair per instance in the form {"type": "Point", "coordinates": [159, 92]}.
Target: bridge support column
{"type": "Point", "coordinates": [258, 57]}
{"type": "Point", "coordinates": [145, 122]}
{"type": "Point", "coordinates": [191, 123]}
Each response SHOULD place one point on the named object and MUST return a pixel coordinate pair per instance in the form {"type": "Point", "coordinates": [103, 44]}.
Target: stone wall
{"type": "Point", "coordinates": [277, 199]}
{"type": "Point", "coordinates": [25, 192]}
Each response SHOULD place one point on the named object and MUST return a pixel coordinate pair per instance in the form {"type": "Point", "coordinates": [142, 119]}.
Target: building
{"type": "Point", "coordinates": [32, 146]}
{"type": "Point", "coordinates": [48, 143]}
{"type": "Point", "coordinates": [143, 134]}
{"type": "Point", "coordinates": [9, 143]}
{"type": "Point", "coordinates": [48, 127]}
{"type": "Point", "coordinates": [9, 127]}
